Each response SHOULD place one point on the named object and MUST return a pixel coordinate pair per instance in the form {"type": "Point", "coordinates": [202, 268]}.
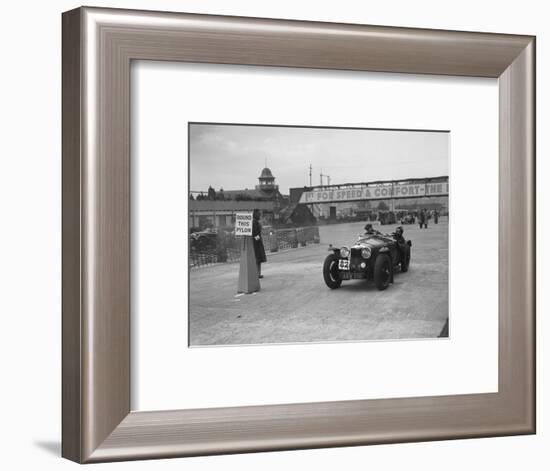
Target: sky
{"type": "Point", "coordinates": [232, 156]}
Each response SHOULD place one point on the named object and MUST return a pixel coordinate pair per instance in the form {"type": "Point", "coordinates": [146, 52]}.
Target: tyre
{"type": "Point", "coordinates": [382, 271]}
{"type": "Point", "coordinates": [406, 262]}
{"type": "Point", "coordinates": [330, 272]}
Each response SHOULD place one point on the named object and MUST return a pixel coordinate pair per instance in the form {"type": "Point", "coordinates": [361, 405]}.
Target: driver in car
{"type": "Point", "coordinates": [369, 230]}
{"type": "Point", "coordinates": [398, 235]}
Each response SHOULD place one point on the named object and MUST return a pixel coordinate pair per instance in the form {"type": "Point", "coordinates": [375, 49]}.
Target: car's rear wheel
{"type": "Point", "coordinates": [382, 271]}
{"type": "Point", "coordinates": [330, 272]}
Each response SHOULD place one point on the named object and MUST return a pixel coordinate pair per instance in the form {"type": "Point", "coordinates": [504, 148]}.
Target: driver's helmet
{"type": "Point", "coordinates": [368, 227]}
{"type": "Point", "coordinates": [399, 231]}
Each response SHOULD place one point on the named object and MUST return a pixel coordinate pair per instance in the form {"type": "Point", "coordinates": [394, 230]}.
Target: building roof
{"type": "Point", "coordinates": [266, 173]}
{"type": "Point", "coordinates": [254, 194]}
{"type": "Point", "coordinates": [286, 213]}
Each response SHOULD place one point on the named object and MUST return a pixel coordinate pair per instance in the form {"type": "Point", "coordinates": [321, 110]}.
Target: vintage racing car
{"type": "Point", "coordinates": [373, 257]}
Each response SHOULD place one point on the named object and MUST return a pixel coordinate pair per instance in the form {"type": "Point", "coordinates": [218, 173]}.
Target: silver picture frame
{"type": "Point", "coordinates": [98, 47]}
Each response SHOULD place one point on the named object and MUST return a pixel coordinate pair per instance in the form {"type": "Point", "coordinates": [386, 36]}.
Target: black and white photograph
{"type": "Point", "coordinates": [317, 234]}
{"type": "Point", "coordinates": [275, 235]}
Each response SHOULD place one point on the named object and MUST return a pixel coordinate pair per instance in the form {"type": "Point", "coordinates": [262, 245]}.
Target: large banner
{"type": "Point", "coordinates": [374, 192]}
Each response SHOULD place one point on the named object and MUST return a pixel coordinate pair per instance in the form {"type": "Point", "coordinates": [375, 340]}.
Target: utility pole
{"type": "Point", "coordinates": [310, 169]}
{"type": "Point", "coordinates": [321, 175]}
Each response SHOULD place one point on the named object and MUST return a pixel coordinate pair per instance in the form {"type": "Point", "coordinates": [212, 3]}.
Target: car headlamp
{"type": "Point", "coordinates": [366, 252]}
{"type": "Point", "coordinates": [344, 252]}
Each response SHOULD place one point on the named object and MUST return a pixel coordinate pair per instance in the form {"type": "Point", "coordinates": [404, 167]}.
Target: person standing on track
{"type": "Point", "coordinates": [259, 250]}
{"type": "Point", "coordinates": [423, 219]}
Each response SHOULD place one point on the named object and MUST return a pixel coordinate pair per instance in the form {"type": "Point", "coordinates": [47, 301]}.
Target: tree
{"type": "Point", "coordinates": [382, 206]}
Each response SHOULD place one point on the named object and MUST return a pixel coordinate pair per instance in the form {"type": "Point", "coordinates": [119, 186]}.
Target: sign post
{"type": "Point", "coordinates": [249, 281]}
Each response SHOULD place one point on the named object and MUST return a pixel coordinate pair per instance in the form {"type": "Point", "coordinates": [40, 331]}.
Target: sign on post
{"type": "Point", "coordinates": [243, 223]}
{"type": "Point", "coordinates": [248, 269]}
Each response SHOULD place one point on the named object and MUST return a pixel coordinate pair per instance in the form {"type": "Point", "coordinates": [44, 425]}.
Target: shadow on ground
{"type": "Point", "coordinates": [53, 447]}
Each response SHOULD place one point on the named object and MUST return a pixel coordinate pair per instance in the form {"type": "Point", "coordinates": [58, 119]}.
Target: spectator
{"type": "Point", "coordinates": [259, 250]}
{"type": "Point", "coordinates": [423, 219]}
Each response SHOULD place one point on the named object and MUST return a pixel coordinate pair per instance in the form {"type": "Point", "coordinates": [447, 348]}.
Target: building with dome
{"type": "Point", "coordinates": [265, 196]}
{"type": "Point", "coordinates": [265, 190]}
{"type": "Point", "coordinates": [267, 181]}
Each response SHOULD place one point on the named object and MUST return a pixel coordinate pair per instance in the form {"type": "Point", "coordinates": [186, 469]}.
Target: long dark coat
{"type": "Point", "coordinates": [423, 217]}
{"type": "Point", "coordinates": [259, 249]}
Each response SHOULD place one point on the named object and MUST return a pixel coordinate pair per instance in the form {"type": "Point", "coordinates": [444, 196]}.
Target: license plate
{"type": "Point", "coordinates": [343, 264]}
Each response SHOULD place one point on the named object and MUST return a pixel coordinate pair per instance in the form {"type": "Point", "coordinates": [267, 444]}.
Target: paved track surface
{"type": "Point", "coordinates": [295, 305]}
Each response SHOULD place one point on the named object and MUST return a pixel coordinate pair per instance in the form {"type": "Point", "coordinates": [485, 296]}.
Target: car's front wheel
{"type": "Point", "coordinates": [330, 272]}
{"type": "Point", "coordinates": [382, 271]}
